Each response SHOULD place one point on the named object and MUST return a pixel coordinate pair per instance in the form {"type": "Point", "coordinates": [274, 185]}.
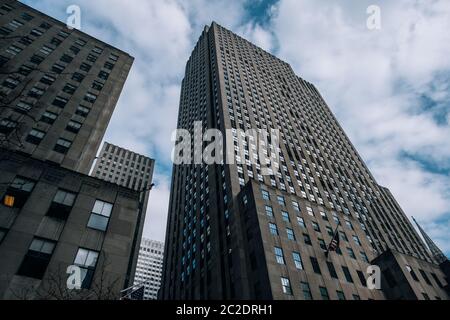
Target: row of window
{"type": "Point", "coordinates": [306, 291]}
{"type": "Point", "coordinates": [20, 189]}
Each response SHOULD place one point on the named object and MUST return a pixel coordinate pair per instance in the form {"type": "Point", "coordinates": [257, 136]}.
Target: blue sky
{"type": "Point", "coordinates": [389, 88]}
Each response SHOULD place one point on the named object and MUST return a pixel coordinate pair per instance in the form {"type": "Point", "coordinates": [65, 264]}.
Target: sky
{"type": "Point", "coordinates": [389, 87]}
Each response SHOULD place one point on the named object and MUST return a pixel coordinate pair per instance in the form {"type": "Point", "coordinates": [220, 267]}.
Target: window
{"type": "Point", "coordinates": [301, 222]}
{"type": "Point", "coordinates": [66, 58]}
{"type": "Point", "coordinates": [69, 88]}
{"type": "Point", "coordinates": [46, 79]}
{"type": "Point", "coordinates": [290, 234]}
{"type": "Point", "coordinates": [114, 57]}
{"type": "Point", "coordinates": [35, 136]}
{"type": "Point", "coordinates": [285, 216]}
{"type": "Point", "coordinates": [78, 77]}
{"type": "Point", "coordinates": [306, 290]}
{"type": "Point", "coordinates": [25, 70]}
{"type": "Point", "coordinates": [273, 229]}
{"type": "Point", "coordinates": [97, 85]}
{"type": "Point", "coordinates": [73, 126]}
{"type": "Point", "coordinates": [37, 258]}
{"type": "Point", "coordinates": [307, 239]}
{"type": "Point", "coordinates": [332, 270]}
{"type": "Point", "coordinates": [437, 280]}
{"type": "Point", "coordinates": [62, 145]}
{"type": "Point", "coordinates": [322, 244]}
{"type": "Point", "coordinates": [36, 32]}
{"type": "Point", "coordinates": [329, 231]}
{"type": "Point", "coordinates": [81, 42]}
{"type": "Point", "coordinates": [412, 273]}
{"type": "Point", "coordinates": [364, 257]}
{"type": "Point", "coordinates": [87, 261]}
{"type": "Point", "coordinates": [324, 293]}
{"type": "Point", "coordinates": [23, 107]}
{"type": "Point", "coordinates": [37, 59]}
{"type": "Point", "coordinates": [281, 201]}
{"type": "Point", "coordinates": [62, 205]}
{"type": "Point", "coordinates": [55, 41]}
{"type": "Point", "coordinates": [356, 297]}
{"type": "Point", "coordinates": [75, 50]}
{"type": "Point", "coordinates": [279, 255]}
{"type": "Point", "coordinates": [109, 65]}
{"type": "Point", "coordinates": [343, 236]}
{"type": "Point", "coordinates": [286, 284]}
{"type": "Point", "coordinates": [91, 58]}
{"type": "Point", "coordinates": [265, 195]}
{"type": "Point", "coordinates": [351, 253]}
{"type": "Point", "coordinates": [297, 260]}
{"type": "Point", "coordinates": [49, 117]}
{"type": "Point", "coordinates": [269, 211]}
{"type": "Point", "coordinates": [97, 50]}
{"type": "Point", "coordinates": [100, 215]}
{"type": "Point", "coordinates": [26, 40]}
{"type": "Point", "coordinates": [324, 215]}
{"type": "Point", "coordinates": [425, 277]}
{"type": "Point", "coordinates": [58, 68]}
{"type": "Point", "coordinates": [347, 274]}
{"type": "Point", "coordinates": [315, 226]}
{"type": "Point", "coordinates": [17, 193]}
{"type": "Point", "coordinates": [340, 295]}
{"type": "Point", "coordinates": [27, 17]}
{"type": "Point", "coordinates": [46, 50]}
{"type": "Point", "coordinates": [296, 206]}
{"type": "Point", "coordinates": [315, 265]}
{"type": "Point", "coordinates": [10, 83]}
{"type": "Point", "coordinates": [82, 111]}
{"type": "Point", "coordinates": [60, 102]}
{"type": "Point", "coordinates": [103, 75]}
{"type": "Point", "coordinates": [45, 25]}
{"type": "Point", "coordinates": [7, 126]}
{"type": "Point", "coordinates": [90, 97]}
{"type": "Point", "coordinates": [85, 67]}
{"type": "Point", "coordinates": [425, 296]}
{"type": "Point", "coordinates": [362, 279]}
{"type": "Point", "coordinates": [35, 92]}
{"type": "Point", "coordinates": [14, 50]}
{"type": "Point", "coordinates": [356, 239]}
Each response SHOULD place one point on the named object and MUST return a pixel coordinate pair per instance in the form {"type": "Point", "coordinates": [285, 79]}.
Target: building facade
{"type": "Point", "coordinates": [236, 231]}
{"type": "Point", "coordinates": [58, 87]}
{"type": "Point", "coordinates": [149, 267]}
{"type": "Point", "coordinates": [58, 90]}
{"type": "Point", "coordinates": [130, 170]}
{"type": "Point", "coordinates": [61, 218]}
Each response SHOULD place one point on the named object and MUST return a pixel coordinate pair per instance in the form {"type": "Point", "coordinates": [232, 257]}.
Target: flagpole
{"type": "Point", "coordinates": [332, 239]}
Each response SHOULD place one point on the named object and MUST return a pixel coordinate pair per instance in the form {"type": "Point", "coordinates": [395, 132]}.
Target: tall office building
{"type": "Point", "coordinates": [149, 267]}
{"type": "Point", "coordinates": [58, 87]}
{"type": "Point", "coordinates": [130, 170]}
{"type": "Point", "coordinates": [236, 232]}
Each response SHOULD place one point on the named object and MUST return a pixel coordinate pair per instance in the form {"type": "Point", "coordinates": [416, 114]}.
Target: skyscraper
{"type": "Point", "coordinates": [58, 87]}
{"type": "Point", "coordinates": [236, 232]}
{"type": "Point", "coordinates": [149, 267]}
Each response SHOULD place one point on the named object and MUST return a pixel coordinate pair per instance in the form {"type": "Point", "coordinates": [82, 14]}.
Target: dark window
{"type": "Point", "coordinates": [26, 40]}
{"type": "Point", "coordinates": [315, 265]}
{"type": "Point", "coordinates": [412, 273]}
{"type": "Point", "coordinates": [35, 136]}
{"type": "Point", "coordinates": [45, 25]}
{"type": "Point", "coordinates": [307, 239]}
{"type": "Point", "coordinates": [36, 32]}
{"type": "Point", "coordinates": [425, 277]}
{"type": "Point", "coordinates": [75, 49]}
{"type": "Point", "coordinates": [69, 88]}
{"type": "Point", "coordinates": [91, 58]}
{"type": "Point", "coordinates": [97, 85]}
{"type": "Point", "coordinates": [103, 75]}
{"type": "Point", "coordinates": [37, 258]}
{"type": "Point", "coordinates": [82, 111]}
{"type": "Point", "coordinates": [27, 17]}
{"type": "Point", "coordinates": [362, 279]}
{"type": "Point", "coordinates": [90, 97]}
{"type": "Point", "coordinates": [87, 261]}
{"type": "Point", "coordinates": [73, 126]}
{"type": "Point", "coordinates": [46, 79]}
{"type": "Point", "coordinates": [66, 58]}
{"type": "Point", "coordinates": [56, 41]}
{"type": "Point", "coordinates": [332, 270]}
{"type": "Point", "coordinates": [62, 205]}
{"type": "Point", "coordinates": [437, 280]}
{"type": "Point", "coordinates": [109, 65]}
{"type": "Point", "coordinates": [49, 117]}
{"type": "Point", "coordinates": [62, 145]}
{"type": "Point", "coordinates": [306, 290]}
{"type": "Point", "coordinates": [78, 77]}
{"type": "Point", "coordinates": [36, 59]}
{"type": "Point", "coordinates": [347, 274]}
{"type": "Point", "coordinates": [425, 296]}
{"type": "Point", "coordinates": [58, 68]}
{"type": "Point", "coordinates": [60, 102]}
{"type": "Point", "coordinates": [324, 293]}
{"type": "Point", "coordinates": [23, 107]}
{"type": "Point", "coordinates": [3, 60]}
{"type": "Point", "coordinates": [340, 295]}
{"type": "Point", "coordinates": [18, 192]}
{"type": "Point", "coordinates": [85, 67]}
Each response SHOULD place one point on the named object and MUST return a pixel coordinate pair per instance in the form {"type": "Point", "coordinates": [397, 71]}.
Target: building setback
{"type": "Point", "coordinates": [149, 267]}
{"type": "Point", "coordinates": [58, 87]}
{"type": "Point", "coordinates": [130, 170]}
{"type": "Point", "coordinates": [235, 232]}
